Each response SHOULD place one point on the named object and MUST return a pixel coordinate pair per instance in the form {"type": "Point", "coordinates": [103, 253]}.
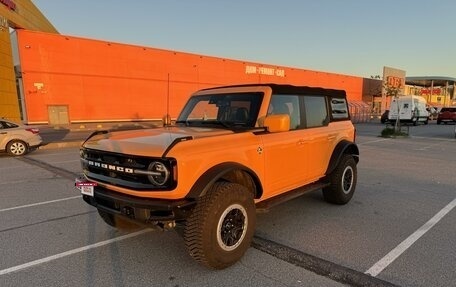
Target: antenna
{"type": "Point", "coordinates": [167, 117]}
{"type": "Point", "coordinates": [167, 99]}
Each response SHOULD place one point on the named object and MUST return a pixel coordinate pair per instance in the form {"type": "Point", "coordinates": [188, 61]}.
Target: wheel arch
{"type": "Point", "coordinates": [228, 171]}
{"type": "Point", "coordinates": [16, 139]}
{"type": "Point", "coordinates": [343, 147]}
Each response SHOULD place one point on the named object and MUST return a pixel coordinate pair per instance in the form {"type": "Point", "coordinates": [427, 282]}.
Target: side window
{"type": "Point", "coordinates": [315, 111]}
{"type": "Point", "coordinates": [7, 125]}
{"type": "Point", "coordinates": [286, 104]}
{"type": "Point", "coordinates": [339, 109]}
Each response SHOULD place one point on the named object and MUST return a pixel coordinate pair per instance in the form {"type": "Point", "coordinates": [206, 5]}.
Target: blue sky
{"type": "Point", "coordinates": [355, 37]}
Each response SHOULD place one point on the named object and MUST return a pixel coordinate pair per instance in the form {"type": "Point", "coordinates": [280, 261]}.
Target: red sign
{"type": "Point", "coordinates": [86, 184]}
{"type": "Point", "coordinates": [9, 3]}
{"type": "Point", "coordinates": [395, 82]}
{"type": "Point", "coordinates": [435, 91]}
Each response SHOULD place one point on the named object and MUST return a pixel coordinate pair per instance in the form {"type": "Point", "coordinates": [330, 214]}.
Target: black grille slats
{"type": "Point", "coordinates": [118, 169]}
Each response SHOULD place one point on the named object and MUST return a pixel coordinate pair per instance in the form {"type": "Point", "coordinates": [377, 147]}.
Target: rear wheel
{"type": "Point", "coordinates": [221, 227]}
{"type": "Point", "coordinates": [17, 148]}
{"type": "Point", "coordinates": [342, 181]}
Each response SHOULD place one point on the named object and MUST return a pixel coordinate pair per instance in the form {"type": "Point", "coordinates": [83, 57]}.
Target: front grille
{"type": "Point", "coordinates": [123, 170]}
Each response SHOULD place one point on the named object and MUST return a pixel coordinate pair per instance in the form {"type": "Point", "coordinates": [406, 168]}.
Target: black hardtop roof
{"type": "Point", "coordinates": [291, 89]}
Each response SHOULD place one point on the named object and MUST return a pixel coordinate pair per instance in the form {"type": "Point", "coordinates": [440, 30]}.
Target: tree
{"type": "Point", "coordinates": [393, 91]}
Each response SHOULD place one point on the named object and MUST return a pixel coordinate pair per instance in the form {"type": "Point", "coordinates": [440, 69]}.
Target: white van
{"type": "Point", "coordinates": [410, 108]}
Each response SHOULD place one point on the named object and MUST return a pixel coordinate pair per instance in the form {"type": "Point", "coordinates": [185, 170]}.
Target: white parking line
{"type": "Point", "coordinates": [71, 252]}
{"type": "Point", "coordinates": [404, 245]}
{"type": "Point", "coordinates": [374, 141]}
{"type": "Point", "coordinates": [39, 203]}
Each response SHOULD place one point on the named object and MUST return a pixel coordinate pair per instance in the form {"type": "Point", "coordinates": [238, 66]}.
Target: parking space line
{"type": "Point", "coordinates": [71, 252]}
{"type": "Point", "coordinates": [404, 245]}
{"type": "Point", "coordinates": [39, 203]}
{"type": "Point", "coordinates": [374, 141]}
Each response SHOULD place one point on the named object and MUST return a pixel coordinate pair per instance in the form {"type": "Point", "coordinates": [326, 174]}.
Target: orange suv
{"type": "Point", "coordinates": [232, 151]}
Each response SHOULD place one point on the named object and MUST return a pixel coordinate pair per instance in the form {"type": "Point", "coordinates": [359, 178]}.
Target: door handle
{"type": "Point", "coordinates": [3, 133]}
{"type": "Point", "coordinates": [304, 141]}
{"type": "Point", "coordinates": [331, 137]}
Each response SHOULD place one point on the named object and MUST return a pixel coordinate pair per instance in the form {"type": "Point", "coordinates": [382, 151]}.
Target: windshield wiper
{"type": "Point", "coordinates": [217, 122]}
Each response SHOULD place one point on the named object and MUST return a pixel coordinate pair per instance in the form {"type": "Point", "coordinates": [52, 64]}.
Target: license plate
{"type": "Point", "coordinates": [84, 186]}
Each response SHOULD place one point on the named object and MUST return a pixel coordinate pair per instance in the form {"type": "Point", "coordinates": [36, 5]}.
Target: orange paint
{"type": "Point", "coordinates": [104, 81]}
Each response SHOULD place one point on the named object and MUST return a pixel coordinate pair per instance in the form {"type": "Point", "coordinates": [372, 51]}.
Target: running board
{"type": "Point", "coordinates": [265, 205]}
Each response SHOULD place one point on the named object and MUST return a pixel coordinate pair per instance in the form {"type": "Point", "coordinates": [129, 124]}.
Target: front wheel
{"type": "Point", "coordinates": [221, 227]}
{"type": "Point", "coordinates": [342, 181]}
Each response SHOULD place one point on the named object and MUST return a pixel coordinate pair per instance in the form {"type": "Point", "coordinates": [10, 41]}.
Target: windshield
{"type": "Point", "coordinates": [225, 110]}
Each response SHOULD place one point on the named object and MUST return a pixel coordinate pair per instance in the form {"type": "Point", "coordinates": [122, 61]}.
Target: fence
{"type": "Point", "coordinates": [360, 112]}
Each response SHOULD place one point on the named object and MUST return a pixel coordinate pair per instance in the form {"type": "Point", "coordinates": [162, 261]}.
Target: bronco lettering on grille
{"type": "Point", "coordinates": [110, 166]}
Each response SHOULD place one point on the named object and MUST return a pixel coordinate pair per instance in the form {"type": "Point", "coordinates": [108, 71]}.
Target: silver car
{"type": "Point", "coordinates": [17, 139]}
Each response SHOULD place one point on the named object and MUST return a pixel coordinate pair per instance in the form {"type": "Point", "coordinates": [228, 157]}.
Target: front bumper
{"type": "Point", "coordinates": [141, 210]}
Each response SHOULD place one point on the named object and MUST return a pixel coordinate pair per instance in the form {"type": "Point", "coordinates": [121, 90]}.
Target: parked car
{"type": "Point", "coordinates": [384, 117]}
{"type": "Point", "coordinates": [408, 109]}
{"type": "Point", "coordinates": [446, 114]}
{"type": "Point", "coordinates": [18, 139]}
{"type": "Point", "coordinates": [233, 151]}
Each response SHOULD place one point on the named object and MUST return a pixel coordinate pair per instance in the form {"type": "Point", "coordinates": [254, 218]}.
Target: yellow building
{"type": "Point", "coordinates": [437, 91]}
{"type": "Point", "coordinates": [15, 14]}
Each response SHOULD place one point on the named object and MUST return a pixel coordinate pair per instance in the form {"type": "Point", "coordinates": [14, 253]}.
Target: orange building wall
{"type": "Point", "coordinates": [103, 81]}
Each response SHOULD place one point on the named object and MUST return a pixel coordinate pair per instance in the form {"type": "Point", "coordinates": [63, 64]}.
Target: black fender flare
{"type": "Point", "coordinates": [215, 173]}
{"type": "Point", "coordinates": [343, 147]}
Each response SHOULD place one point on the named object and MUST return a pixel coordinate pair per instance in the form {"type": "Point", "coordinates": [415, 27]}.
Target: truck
{"type": "Point", "coordinates": [408, 109]}
{"type": "Point", "coordinates": [233, 151]}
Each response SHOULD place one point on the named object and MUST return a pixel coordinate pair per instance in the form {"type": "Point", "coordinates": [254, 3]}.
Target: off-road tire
{"type": "Point", "coordinates": [221, 227]}
{"type": "Point", "coordinates": [115, 221]}
{"type": "Point", "coordinates": [342, 181]}
{"type": "Point", "coordinates": [16, 148]}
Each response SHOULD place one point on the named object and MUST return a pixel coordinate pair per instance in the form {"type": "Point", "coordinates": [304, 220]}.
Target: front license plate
{"type": "Point", "coordinates": [85, 187]}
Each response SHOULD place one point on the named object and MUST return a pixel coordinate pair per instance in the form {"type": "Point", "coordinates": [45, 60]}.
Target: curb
{"type": "Point", "coordinates": [56, 145]}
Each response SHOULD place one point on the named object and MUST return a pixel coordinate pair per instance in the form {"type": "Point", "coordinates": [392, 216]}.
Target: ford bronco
{"type": "Point", "coordinates": [232, 151]}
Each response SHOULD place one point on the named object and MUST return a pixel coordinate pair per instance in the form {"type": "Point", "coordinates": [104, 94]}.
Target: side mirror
{"type": "Point", "coordinates": [277, 123]}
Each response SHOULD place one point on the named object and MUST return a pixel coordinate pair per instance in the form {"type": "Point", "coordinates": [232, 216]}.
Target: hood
{"type": "Point", "coordinates": [148, 142]}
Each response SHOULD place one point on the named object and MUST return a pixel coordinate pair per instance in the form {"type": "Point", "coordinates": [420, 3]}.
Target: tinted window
{"type": "Point", "coordinates": [286, 104]}
{"type": "Point", "coordinates": [315, 111]}
{"type": "Point", "coordinates": [339, 108]}
{"type": "Point", "coordinates": [7, 125]}
{"type": "Point", "coordinates": [226, 110]}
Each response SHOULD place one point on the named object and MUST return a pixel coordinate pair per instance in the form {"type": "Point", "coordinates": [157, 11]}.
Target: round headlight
{"type": "Point", "coordinates": [159, 173]}
{"type": "Point", "coordinates": [82, 154]}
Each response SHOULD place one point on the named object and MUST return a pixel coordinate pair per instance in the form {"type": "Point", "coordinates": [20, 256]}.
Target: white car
{"type": "Point", "coordinates": [18, 139]}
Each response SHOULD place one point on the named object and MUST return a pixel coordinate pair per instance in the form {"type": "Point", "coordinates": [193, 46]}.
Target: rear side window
{"type": "Point", "coordinates": [7, 125]}
{"type": "Point", "coordinates": [315, 111]}
{"type": "Point", "coordinates": [339, 109]}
